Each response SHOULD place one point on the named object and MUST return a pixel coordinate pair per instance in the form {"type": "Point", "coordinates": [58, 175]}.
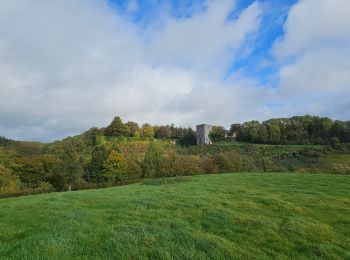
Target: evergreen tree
{"type": "Point", "coordinates": [96, 165]}
{"type": "Point", "coordinates": [117, 128]}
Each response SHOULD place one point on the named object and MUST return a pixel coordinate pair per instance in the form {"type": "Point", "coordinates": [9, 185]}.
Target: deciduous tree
{"type": "Point", "coordinates": [115, 167]}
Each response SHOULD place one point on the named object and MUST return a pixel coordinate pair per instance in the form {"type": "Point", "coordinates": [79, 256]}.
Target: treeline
{"type": "Point", "coordinates": [295, 130]}
{"type": "Point", "coordinates": [4, 141]}
{"type": "Point", "coordinates": [81, 162]}
{"type": "Point", "coordinates": [184, 136]}
{"type": "Point", "coordinates": [72, 165]}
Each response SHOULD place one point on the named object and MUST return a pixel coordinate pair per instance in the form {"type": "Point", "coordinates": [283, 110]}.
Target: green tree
{"type": "Point", "coordinates": [30, 171]}
{"type": "Point", "coordinates": [188, 138]}
{"type": "Point", "coordinates": [115, 167]}
{"type": "Point", "coordinates": [70, 167]}
{"type": "Point", "coordinates": [218, 133]}
{"type": "Point", "coordinates": [151, 165]}
{"type": "Point", "coordinates": [90, 136]}
{"type": "Point", "coordinates": [133, 128]}
{"type": "Point", "coordinates": [263, 134]}
{"type": "Point", "coordinates": [335, 143]}
{"type": "Point", "coordinates": [117, 128]}
{"type": "Point", "coordinates": [338, 130]}
{"type": "Point", "coordinates": [176, 132]}
{"type": "Point", "coordinates": [235, 129]}
{"type": "Point", "coordinates": [274, 134]}
{"type": "Point", "coordinates": [147, 131]}
{"type": "Point", "coordinates": [95, 168]}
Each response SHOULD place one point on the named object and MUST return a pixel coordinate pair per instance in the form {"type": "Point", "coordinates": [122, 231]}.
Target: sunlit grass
{"type": "Point", "coordinates": [210, 216]}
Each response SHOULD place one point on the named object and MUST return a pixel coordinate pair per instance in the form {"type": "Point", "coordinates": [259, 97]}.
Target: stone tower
{"type": "Point", "coordinates": [202, 132]}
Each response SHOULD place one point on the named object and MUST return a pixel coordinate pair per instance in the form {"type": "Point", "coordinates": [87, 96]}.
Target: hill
{"type": "Point", "coordinates": [126, 153]}
{"type": "Point", "coordinates": [223, 216]}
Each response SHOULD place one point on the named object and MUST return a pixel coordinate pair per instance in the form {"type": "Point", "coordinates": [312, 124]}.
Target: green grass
{"type": "Point", "coordinates": [244, 216]}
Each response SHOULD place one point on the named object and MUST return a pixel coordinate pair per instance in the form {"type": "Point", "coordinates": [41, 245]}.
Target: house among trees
{"type": "Point", "coordinates": [202, 133]}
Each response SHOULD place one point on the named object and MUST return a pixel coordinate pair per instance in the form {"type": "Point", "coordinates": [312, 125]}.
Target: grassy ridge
{"type": "Point", "coordinates": [209, 216]}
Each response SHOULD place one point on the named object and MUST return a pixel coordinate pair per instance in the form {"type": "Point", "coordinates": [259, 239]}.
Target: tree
{"type": "Point", "coordinates": [335, 143]}
{"type": "Point", "coordinates": [69, 167]}
{"type": "Point", "coordinates": [218, 133]}
{"type": "Point", "coordinates": [163, 132]}
{"type": "Point", "coordinates": [151, 165]}
{"type": "Point", "coordinates": [147, 130]}
{"type": "Point", "coordinates": [117, 128]}
{"type": "Point", "coordinates": [338, 130]}
{"type": "Point", "coordinates": [188, 138]}
{"type": "Point", "coordinates": [115, 167]}
{"type": "Point", "coordinates": [176, 132]}
{"type": "Point", "coordinates": [263, 134]}
{"type": "Point", "coordinates": [8, 181]}
{"type": "Point", "coordinates": [249, 132]}
{"type": "Point", "coordinates": [346, 136]}
{"type": "Point", "coordinates": [4, 141]}
{"type": "Point", "coordinates": [133, 128]}
{"type": "Point", "coordinates": [90, 136]}
{"type": "Point", "coordinates": [274, 134]}
{"type": "Point", "coordinates": [95, 168]}
{"type": "Point", "coordinates": [31, 172]}
{"type": "Point", "coordinates": [234, 129]}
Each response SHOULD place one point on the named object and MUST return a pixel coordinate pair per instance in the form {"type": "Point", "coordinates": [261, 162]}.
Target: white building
{"type": "Point", "coordinates": [202, 132]}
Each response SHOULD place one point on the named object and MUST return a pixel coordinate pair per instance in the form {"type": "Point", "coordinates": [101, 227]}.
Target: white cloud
{"type": "Point", "coordinates": [68, 65]}
{"type": "Point", "coordinates": [315, 71]}
{"type": "Point", "coordinates": [132, 6]}
{"type": "Point", "coordinates": [206, 38]}
{"type": "Point", "coordinates": [315, 24]}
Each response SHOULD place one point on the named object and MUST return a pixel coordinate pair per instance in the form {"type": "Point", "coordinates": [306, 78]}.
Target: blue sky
{"type": "Point", "coordinates": [66, 66]}
{"type": "Point", "coordinates": [271, 27]}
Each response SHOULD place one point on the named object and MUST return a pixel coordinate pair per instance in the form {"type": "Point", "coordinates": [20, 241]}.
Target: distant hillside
{"type": "Point", "coordinates": [127, 152]}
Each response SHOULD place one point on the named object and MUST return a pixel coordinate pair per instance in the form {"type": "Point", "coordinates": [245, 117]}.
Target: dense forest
{"type": "Point", "coordinates": [295, 130]}
{"type": "Point", "coordinates": [126, 152]}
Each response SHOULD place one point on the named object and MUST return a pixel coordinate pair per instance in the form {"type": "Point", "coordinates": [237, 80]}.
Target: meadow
{"type": "Point", "coordinates": [222, 216]}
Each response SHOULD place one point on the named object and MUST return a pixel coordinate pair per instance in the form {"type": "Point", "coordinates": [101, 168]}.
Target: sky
{"type": "Point", "coordinates": [66, 66]}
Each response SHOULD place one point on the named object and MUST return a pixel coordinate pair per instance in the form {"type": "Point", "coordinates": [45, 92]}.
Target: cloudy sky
{"type": "Point", "coordinates": [68, 65]}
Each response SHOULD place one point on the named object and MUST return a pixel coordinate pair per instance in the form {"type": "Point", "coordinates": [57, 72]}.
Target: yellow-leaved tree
{"type": "Point", "coordinates": [115, 167]}
{"type": "Point", "coordinates": [8, 182]}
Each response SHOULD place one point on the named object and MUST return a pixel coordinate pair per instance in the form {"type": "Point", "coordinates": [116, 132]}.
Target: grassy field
{"type": "Point", "coordinates": [300, 216]}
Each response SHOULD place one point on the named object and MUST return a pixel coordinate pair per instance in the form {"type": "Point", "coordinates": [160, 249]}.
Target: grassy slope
{"type": "Point", "coordinates": [221, 216]}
